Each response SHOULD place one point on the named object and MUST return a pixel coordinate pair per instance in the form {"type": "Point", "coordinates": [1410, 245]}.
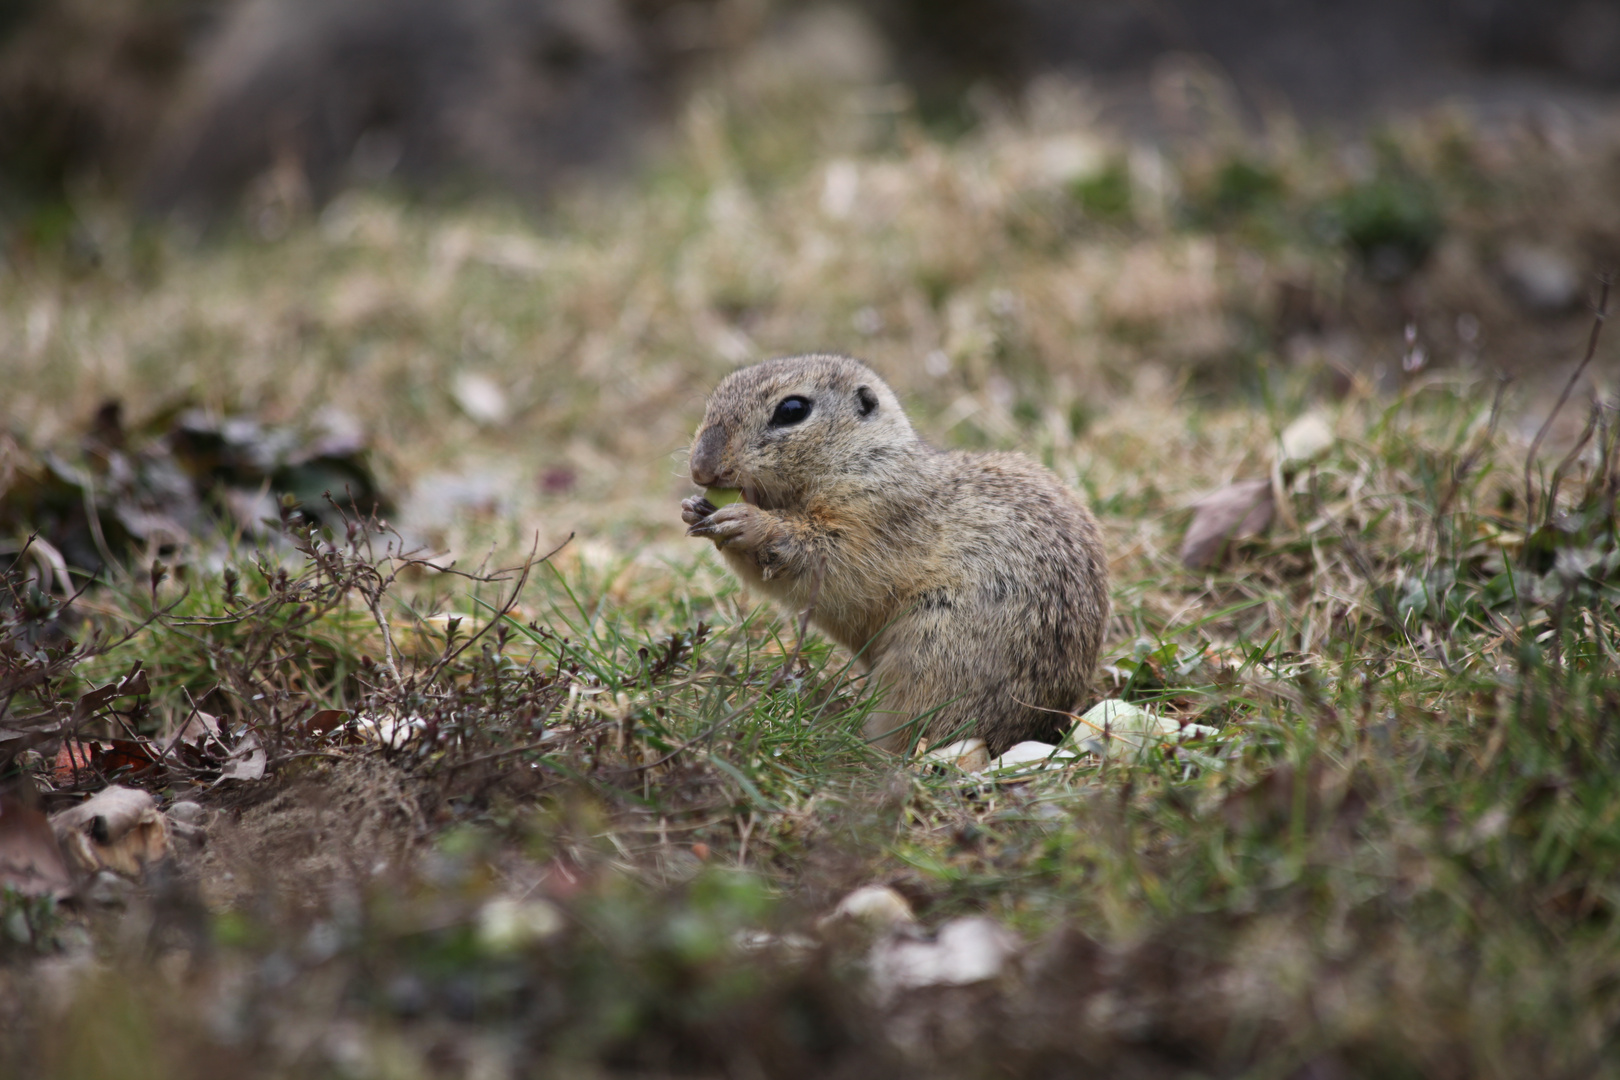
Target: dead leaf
{"type": "Point", "coordinates": [75, 764]}
{"type": "Point", "coordinates": [86, 762]}
{"type": "Point", "coordinates": [1240, 509]}
{"type": "Point", "coordinates": [324, 722]}
{"type": "Point", "coordinates": [199, 727]}
{"type": "Point", "coordinates": [1303, 441]}
{"type": "Point", "coordinates": [31, 860]}
{"type": "Point", "coordinates": [102, 696]}
{"type": "Point", "coordinates": [127, 756]}
{"type": "Point", "coordinates": [117, 829]}
{"type": "Point", "coordinates": [247, 761]}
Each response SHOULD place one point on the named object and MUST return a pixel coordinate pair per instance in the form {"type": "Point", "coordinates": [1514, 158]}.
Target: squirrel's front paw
{"type": "Point", "coordinates": [695, 509]}
{"type": "Point", "coordinates": [734, 527]}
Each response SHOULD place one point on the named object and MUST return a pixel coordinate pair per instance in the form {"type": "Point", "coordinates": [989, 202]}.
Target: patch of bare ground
{"type": "Point", "coordinates": [302, 841]}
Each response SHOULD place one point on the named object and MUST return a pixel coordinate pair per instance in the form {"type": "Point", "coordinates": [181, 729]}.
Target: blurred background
{"type": "Point", "coordinates": [189, 105]}
{"type": "Point", "coordinates": [509, 243]}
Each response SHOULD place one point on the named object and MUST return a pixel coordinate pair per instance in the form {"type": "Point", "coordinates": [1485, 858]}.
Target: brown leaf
{"type": "Point", "coordinates": [1240, 509]}
{"type": "Point", "coordinates": [102, 696]}
{"type": "Point", "coordinates": [127, 756]}
{"type": "Point", "coordinates": [324, 722]}
{"type": "Point", "coordinates": [75, 764]}
{"type": "Point", "coordinates": [84, 763]}
{"type": "Point", "coordinates": [30, 858]}
{"type": "Point", "coordinates": [117, 829]}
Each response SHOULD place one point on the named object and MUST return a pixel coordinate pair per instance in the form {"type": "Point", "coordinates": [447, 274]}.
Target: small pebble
{"type": "Point", "coordinates": [964, 951]}
{"type": "Point", "coordinates": [190, 834]}
{"type": "Point", "coordinates": [187, 812]}
{"type": "Point", "coordinates": [1543, 279]}
{"type": "Point", "coordinates": [969, 755]}
{"type": "Point", "coordinates": [108, 889]}
{"type": "Point", "coordinates": [875, 906]}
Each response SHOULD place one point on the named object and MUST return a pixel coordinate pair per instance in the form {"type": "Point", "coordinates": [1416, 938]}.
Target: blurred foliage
{"type": "Point", "coordinates": [1391, 222]}
{"type": "Point", "coordinates": [1106, 194]}
{"type": "Point", "coordinates": [1238, 189]}
{"type": "Point", "coordinates": [177, 477]}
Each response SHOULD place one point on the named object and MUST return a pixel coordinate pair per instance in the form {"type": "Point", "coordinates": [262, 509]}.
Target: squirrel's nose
{"type": "Point", "coordinates": [705, 460]}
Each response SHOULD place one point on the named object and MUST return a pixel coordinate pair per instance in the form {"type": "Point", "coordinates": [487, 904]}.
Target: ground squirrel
{"type": "Point", "coordinates": [971, 585]}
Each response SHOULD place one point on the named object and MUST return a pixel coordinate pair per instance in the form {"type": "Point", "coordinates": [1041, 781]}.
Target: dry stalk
{"type": "Point", "coordinates": [1598, 319]}
{"type": "Point", "coordinates": [1594, 415]}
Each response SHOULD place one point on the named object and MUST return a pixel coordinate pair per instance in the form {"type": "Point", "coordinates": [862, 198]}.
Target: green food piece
{"type": "Point", "coordinates": [723, 496]}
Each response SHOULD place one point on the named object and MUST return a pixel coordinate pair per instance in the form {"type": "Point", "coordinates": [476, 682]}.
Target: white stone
{"type": "Point", "coordinates": [1542, 278]}
{"type": "Point", "coordinates": [1306, 439]}
{"type": "Point", "coordinates": [187, 812]}
{"type": "Point", "coordinates": [876, 906]}
{"type": "Point", "coordinates": [391, 731]}
{"type": "Point", "coordinates": [481, 398]}
{"type": "Point", "coordinates": [965, 951]}
{"type": "Point", "coordinates": [1031, 753]}
{"type": "Point", "coordinates": [507, 923]}
{"type": "Point", "coordinates": [763, 940]}
{"type": "Point", "coordinates": [969, 755]}
{"type": "Point", "coordinates": [1111, 726]}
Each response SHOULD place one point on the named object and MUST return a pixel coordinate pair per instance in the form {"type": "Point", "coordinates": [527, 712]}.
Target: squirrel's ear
{"type": "Point", "coordinates": [866, 400]}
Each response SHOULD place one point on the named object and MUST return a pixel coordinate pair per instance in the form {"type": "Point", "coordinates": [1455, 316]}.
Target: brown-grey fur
{"type": "Point", "coordinates": [970, 583]}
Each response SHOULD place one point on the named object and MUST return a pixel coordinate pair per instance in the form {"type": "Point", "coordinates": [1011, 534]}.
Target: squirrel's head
{"type": "Point", "coordinates": [783, 429]}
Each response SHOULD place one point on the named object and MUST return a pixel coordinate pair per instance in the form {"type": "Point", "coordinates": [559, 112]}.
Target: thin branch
{"type": "Point", "coordinates": [1593, 416]}
{"type": "Point", "coordinates": [1598, 318]}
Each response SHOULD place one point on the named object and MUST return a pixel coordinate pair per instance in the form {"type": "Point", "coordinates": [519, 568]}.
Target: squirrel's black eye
{"type": "Point", "coordinates": [790, 411]}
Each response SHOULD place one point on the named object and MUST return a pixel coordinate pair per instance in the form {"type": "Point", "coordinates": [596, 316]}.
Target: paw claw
{"type": "Point", "coordinates": [695, 509]}
{"type": "Point", "coordinates": [725, 526]}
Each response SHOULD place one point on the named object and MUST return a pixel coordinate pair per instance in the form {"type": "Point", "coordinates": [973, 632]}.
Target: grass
{"type": "Point", "coordinates": [1397, 855]}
